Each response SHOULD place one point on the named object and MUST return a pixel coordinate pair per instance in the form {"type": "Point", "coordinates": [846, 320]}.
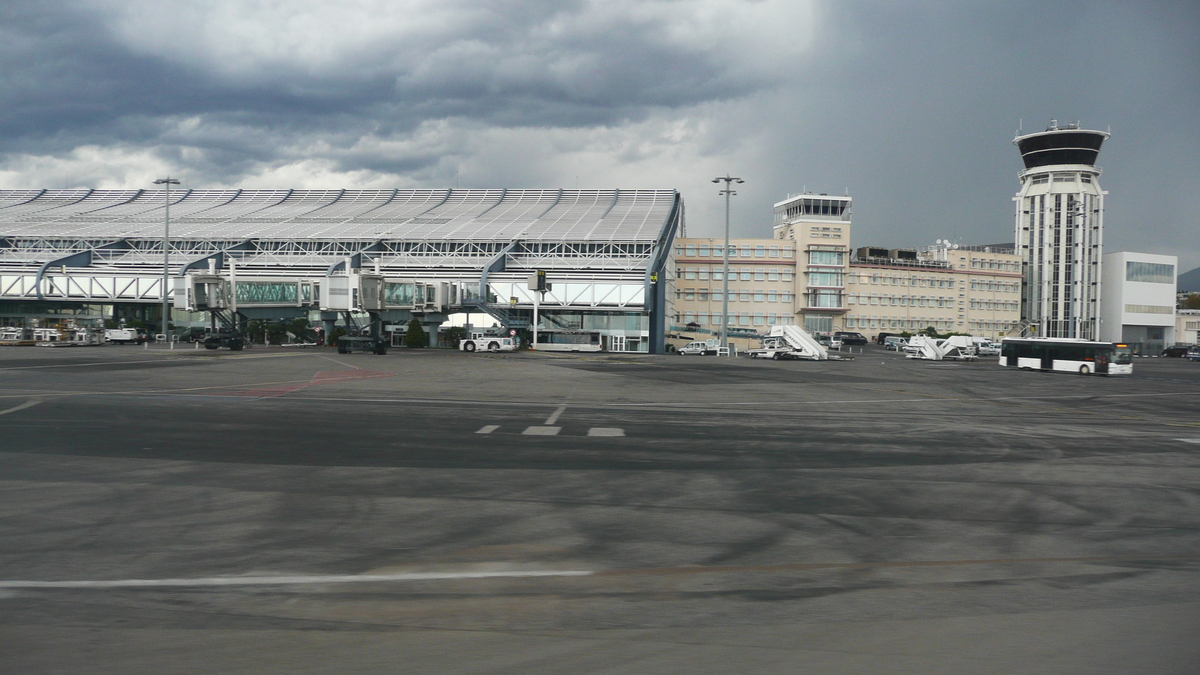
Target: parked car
{"type": "Point", "coordinates": [894, 343]}
{"type": "Point", "coordinates": [1193, 354]}
{"type": "Point", "coordinates": [829, 341]}
{"type": "Point", "coordinates": [850, 337]}
{"type": "Point", "coordinates": [1176, 352]}
{"type": "Point", "coordinates": [698, 349]}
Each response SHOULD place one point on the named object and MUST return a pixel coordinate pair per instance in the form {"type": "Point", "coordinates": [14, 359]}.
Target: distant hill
{"type": "Point", "coordinates": [1188, 282]}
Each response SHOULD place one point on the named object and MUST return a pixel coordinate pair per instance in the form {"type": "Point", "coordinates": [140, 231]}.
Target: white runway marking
{"type": "Point", "coordinates": [27, 404]}
{"type": "Point", "coordinates": [1185, 440]}
{"type": "Point", "coordinates": [288, 580]}
{"type": "Point", "coordinates": [488, 428]}
{"type": "Point", "coordinates": [606, 431]}
{"type": "Point", "coordinates": [541, 431]}
{"type": "Point", "coordinates": [554, 415]}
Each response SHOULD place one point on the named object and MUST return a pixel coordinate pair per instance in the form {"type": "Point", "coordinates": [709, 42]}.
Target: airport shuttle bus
{"type": "Point", "coordinates": [1067, 355]}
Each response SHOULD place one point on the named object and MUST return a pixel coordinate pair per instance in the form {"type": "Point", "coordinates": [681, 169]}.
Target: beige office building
{"type": "Point", "coordinates": [762, 283]}
{"type": "Point", "coordinates": [968, 289]}
{"type": "Point", "coordinates": [808, 275]}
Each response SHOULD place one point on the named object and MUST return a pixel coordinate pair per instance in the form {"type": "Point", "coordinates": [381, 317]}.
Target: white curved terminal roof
{"type": "Point", "coordinates": [412, 215]}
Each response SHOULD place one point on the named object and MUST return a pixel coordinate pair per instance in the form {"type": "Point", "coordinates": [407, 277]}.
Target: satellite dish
{"type": "Point", "coordinates": [938, 242]}
{"type": "Point", "coordinates": [956, 247]}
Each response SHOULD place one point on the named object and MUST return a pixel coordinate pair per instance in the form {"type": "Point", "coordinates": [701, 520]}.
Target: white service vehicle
{"type": "Point", "coordinates": [953, 348]}
{"type": "Point", "coordinates": [985, 347]}
{"type": "Point", "coordinates": [700, 348]}
{"type": "Point", "coordinates": [124, 336]}
{"type": "Point", "coordinates": [791, 342]}
{"type": "Point", "coordinates": [480, 341]}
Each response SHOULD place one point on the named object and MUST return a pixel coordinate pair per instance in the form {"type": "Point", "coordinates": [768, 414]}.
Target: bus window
{"type": "Point", "coordinates": [1122, 355]}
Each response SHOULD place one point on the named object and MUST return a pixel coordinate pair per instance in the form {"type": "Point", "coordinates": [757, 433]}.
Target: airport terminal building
{"type": "Point", "coordinates": [98, 254]}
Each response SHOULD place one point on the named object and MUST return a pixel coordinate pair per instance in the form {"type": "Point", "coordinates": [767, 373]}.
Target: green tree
{"type": "Point", "coordinates": [416, 337]}
{"type": "Point", "coordinates": [1192, 301]}
{"type": "Point", "coordinates": [454, 335]}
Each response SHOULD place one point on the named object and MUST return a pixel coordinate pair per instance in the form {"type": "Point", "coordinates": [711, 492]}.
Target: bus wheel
{"type": "Point", "coordinates": [1084, 370]}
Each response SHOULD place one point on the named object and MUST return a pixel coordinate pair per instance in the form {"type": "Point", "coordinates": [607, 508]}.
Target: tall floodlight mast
{"type": "Point", "coordinates": [725, 265]}
{"type": "Point", "coordinates": [166, 297]}
{"type": "Point", "coordinates": [1060, 230]}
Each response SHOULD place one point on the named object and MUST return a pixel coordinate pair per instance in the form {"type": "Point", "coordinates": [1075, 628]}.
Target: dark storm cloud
{"type": "Point", "coordinates": [72, 81]}
{"type": "Point", "coordinates": [918, 105]}
{"type": "Point", "coordinates": [910, 106]}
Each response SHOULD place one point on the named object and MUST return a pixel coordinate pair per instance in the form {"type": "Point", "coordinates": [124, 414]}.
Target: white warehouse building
{"type": "Point", "coordinates": [1138, 306]}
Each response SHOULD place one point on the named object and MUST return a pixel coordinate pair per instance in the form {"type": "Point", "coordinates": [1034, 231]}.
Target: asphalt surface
{"type": "Point", "coordinates": [298, 511]}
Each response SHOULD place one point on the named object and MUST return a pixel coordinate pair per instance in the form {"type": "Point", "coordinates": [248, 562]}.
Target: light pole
{"type": "Point", "coordinates": [168, 182]}
{"type": "Point", "coordinates": [725, 269]}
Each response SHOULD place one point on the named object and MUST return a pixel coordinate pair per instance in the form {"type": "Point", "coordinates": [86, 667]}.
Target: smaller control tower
{"type": "Point", "coordinates": [1060, 230]}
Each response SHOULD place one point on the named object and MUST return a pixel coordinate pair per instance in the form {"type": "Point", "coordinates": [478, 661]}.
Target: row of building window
{"type": "Point", "coordinates": [744, 274]}
{"type": "Point", "coordinates": [996, 305]}
{"type": "Point", "coordinates": [880, 279]}
{"type": "Point", "coordinates": [825, 232]}
{"type": "Point", "coordinates": [907, 323]}
{"type": "Point", "coordinates": [996, 286]}
{"type": "Point", "coordinates": [900, 300]}
{"type": "Point", "coordinates": [738, 319]}
{"type": "Point", "coordinates": [917, 323]}
{"type": "Point", "coordinates": [718, 251]}
{"type": "Point", "coordinates": [1152, 273]}
{"type": "Point", "coordinates": [1061, 178]}
{"type": "Point", "coordinates": [759, 295]}
{"type": "Point", "coordinates": [1002, 265]}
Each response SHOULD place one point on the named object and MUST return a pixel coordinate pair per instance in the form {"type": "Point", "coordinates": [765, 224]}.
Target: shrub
{"type": "Point", "coordinates": [416, 337]}
{"type": "Point", "coordinates": [454, 335]}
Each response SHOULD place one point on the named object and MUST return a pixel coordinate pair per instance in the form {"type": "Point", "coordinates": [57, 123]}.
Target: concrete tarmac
{"type": "Point", "coordinates": [292, 510]}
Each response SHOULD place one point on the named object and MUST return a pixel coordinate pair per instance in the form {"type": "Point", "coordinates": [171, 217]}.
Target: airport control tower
{"type": "Point", "coordinates": [1060, 230]}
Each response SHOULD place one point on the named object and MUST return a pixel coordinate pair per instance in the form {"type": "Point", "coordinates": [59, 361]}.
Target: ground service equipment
{"type": "Point", "coordinates": [953, 348]}
{"type": "Point", "coordinates": [790, 342]}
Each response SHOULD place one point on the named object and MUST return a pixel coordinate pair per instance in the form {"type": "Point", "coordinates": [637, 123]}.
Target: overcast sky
{"type": "Point", "coordinates": [911, 106]}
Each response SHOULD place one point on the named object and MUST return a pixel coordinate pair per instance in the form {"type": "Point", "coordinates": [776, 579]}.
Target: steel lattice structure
{"type": "Point", "coordinates": [106, 245]}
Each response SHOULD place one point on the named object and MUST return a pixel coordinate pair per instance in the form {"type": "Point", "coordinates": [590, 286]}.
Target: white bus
{"type": "Point", "coordinates": [569, 341]}
{"type": "Point", "coordinates": [1067, 355]}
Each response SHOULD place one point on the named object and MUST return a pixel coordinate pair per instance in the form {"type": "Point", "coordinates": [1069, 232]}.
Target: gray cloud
{"type": "Point", "coordinates": [911, 107]}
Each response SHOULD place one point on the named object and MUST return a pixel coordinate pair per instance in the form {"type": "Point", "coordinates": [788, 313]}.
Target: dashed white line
{"type": "Point", "coordinates": [606, 431]}
{"type": "Point", "coordinates": [286, 580]}
{"type": "Point", "coordinates": [488, 428]}
{"type": "Point", "coordinates": [541, 431]}
{"type": "Point", "coordinates": [554, 415]}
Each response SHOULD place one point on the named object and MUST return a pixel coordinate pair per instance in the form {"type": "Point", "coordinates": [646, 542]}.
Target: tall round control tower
{"type": "Point", "coordinates": [1060, 230]}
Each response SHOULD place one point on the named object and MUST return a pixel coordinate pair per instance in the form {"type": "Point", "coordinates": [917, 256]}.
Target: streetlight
{"type": "Point", "coordinates": [725, 273]}
{"type": "Point", "coordinates": [168, 181]}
